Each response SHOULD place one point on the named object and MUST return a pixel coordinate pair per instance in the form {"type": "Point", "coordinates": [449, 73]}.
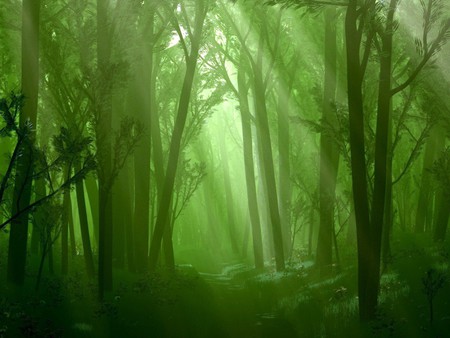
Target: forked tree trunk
{"type": "Point", "coordinates": [175, 143]}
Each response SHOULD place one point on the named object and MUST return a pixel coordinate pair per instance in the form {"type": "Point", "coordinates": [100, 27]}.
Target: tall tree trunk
{"type": "Point", "coordinates": [262, 124]}
{"type": "Point", "coordinates": [39, 217]}
{"type": "Point", "coordinates": [284, 168]}
{"type": "Point", "coordinates": [433, 146]}
{"type": "Point", "coordinates": [104, 149]}
{"type": "Point", "coordinates": [92, 191]}
{"type": "Point", "coordinates": [381, 160]}
{"type": "Point", "coordinates": [121, 214]}
{"type": "Point", "coordinates": [388, 214]}
{"type": "Point", "coordinates": [129, 231]}
{"type": "Point", "coordinates": [231, 221]}
{"type": "Point", "coordinates": [84, 227]}
{"type": "Point", "coordinates": [443, 215]}
{"type": "Point", "coordinates": [263, 203]}
{"type": "Point", "coordinates": [175, 144]}
{"type": "Point", "coordinates": [388, 222]}
{"type": "Point", "coordinates": [310, 231]}
{"type": "Point", "coordinates": [73, 244]}
{"type": "Point", "coordinates": [249, 168]}
{"type": "Point", "coordinates": [65, 230]}
{"type": "Point", "coordinates": [142, 156]}
{"type": "Point", "coordinates": [329, 154]}
{"type": "Point", "coordinates": [158, 162]}
{"type": "Point", "coordinates": [358, 159]}
{"type": "Point", "coordinates": [145, 91]}
{"type": "Point", "coordinates": [18, 237]}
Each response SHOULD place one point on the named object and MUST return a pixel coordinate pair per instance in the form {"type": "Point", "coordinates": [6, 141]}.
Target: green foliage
{"type": "Point", "coordinates": [189, 177]}
{"type": "Point", "coordinates": [9, 111]}
{"type": "Point", "coordinates": [69, 146]}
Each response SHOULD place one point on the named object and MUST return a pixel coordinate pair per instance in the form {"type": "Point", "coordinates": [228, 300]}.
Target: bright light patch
{"type": "Point", "coordinates": [176, 38]}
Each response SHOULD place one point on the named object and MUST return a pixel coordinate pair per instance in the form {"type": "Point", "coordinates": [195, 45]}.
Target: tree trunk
{"type": "Point", "coordinates": [433, 147]}
{"type": "Point", "coordinates": [104, 149]}
{"type": "Point", "coordinates": [18, 236]}
{"type": "Point", "coordinates": [358, 159]}
{"type": "Point", "coordinates": [230, 209]}
{"type": "Point", "coordinates": [388, 214]}
{"type": "Point", "coordinates": [443, 214]}
{"type": "Point", "coordinates": [65, 234]}
{"type": "Point", "coordinates": [142, 156]}
{"type": "Point", "coordinates": [284, 169]}
{"type": "Point", "coordinates": [122, 211]}
{"type": "Point", "coordinates": [39, 218]}
{"type": "Point", "coordinates": [252, 199]}
{"type": "Point", "coordinates": [73, 245]}
{"type": "Point", "coordinates": [84, 227]}
{"type": "Point", "coordinates": [329, 154]}
{"type": "Point", "coordinates": [92, 191]}
{"type": "Point", "coordinates": [262, 124]}
{"type": "Point", "coordinates": [381, 161]}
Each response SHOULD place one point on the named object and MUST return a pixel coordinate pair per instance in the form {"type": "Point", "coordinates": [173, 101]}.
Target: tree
{"type": "Point", "coordinates": [23, 182]}
{"type": "Point", "coordinates": [249, 165]}
{"type": "Point", "coordinates": [104, 148]}
{"type": "Point", "coordinates": [329, 155]}
{"type": "Point", "coordinates": [191, 56]}
{"type": "Point", "coordinates": [364, 26]}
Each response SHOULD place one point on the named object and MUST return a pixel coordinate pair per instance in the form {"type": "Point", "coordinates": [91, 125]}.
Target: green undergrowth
{"type": "Point", "coordinates": [236, 301]}
{"type": "Point", "coordinates": [162, 304]}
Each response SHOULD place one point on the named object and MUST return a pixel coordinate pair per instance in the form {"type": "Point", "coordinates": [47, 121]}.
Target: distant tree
{"type": "Point", "coordinates": [440, 171]}
{"type": "Point", "coordinates": [260, 74]}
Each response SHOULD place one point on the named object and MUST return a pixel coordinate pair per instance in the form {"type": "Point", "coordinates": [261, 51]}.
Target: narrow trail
{"type": "Point", "coordinates": [245, 309]}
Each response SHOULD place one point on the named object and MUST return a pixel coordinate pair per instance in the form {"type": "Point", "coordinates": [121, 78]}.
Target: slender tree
{"type": "Point", "coordinates": [104, 148]}
{"type": "Point", "coordinates": [249, 165]}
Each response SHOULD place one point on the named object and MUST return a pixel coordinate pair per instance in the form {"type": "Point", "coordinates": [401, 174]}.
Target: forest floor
{"type": "Point", "coordinates": [238, 302]}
